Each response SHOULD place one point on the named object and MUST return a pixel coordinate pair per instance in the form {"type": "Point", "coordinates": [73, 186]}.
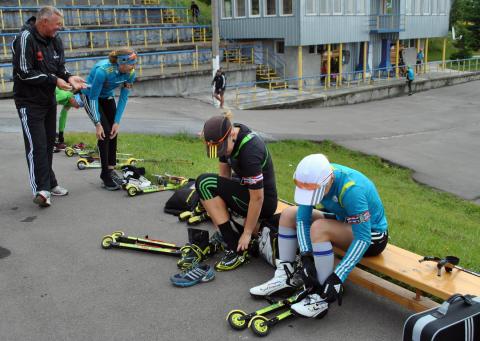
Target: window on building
{"type": "Point", "coordinates": [360, 6]}
{"type": "Point", "coordinates": [227, 8]}
{"type": "Point", "coordinates": [434, 7]}
{"type": "Point", "coordinates": [254, 8]}
{"type": "Point", "coordinates": [418, 5]}
{"type": "Point", "coordinates": [337, 6]}
{"type": "Point", "coordinates": [441, 7]}
{"type": "Point", "coordinates": [349, 7]}
{"type": "Point", "coordinates": [325, 6]}
{"type": "Point", "coordinates": [310, 7]}
{"type": "Point", "coordinates": [240, 8]}
{"type": "Point", "coordinates": [408, 7]}
{"type": "Point", "coordinates": [287, 7]}
{"type": "Point", "coordinates": [270, 7]}
{"type": "Point", "coordinates": [311, 49]}
{"type": "Point", "coordinates": [426, 6]}
{"type": "Point", "coordinates": [280, 47]}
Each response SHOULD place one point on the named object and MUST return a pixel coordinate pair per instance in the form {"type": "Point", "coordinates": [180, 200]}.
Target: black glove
{"type": "Point", "coordinates": [332, 289]}
{"type": "Point", "coordinates": [309, 272]}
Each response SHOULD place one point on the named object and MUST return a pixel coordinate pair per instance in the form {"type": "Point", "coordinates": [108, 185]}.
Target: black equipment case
{"type": "Point", "coordinates": [458, 318]}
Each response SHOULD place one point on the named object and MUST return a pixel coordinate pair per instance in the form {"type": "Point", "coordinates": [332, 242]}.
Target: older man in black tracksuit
{"type": "Point", "coordinates": [38, 67]}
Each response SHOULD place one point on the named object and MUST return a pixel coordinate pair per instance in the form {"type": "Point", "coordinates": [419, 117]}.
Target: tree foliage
{"type": "Point", "coordinates": [465, 17]}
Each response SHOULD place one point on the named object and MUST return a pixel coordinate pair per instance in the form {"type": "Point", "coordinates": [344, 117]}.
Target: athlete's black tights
{"type": "Point", "coordinates": [107, 147]}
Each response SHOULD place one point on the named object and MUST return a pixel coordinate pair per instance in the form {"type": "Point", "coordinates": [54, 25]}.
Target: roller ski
{"type": "Point", "coordinates": [93, 161]}
{"type": "Point", "coordinates": [195, 217]}
{"type": "Point", "coordinates": [76, 149]}
{"type": "Point", "coordinates": [259, 321]}
{"type": "Point", "coordinates": [199, 248]}
{"type": "Point", "coordinates": [143, 185]}
{"type": "Point", "coordinates": [119, 240]}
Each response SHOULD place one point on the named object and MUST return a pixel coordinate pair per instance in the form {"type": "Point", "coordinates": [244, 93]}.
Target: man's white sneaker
{"type": "Point", "coordinates": [42, 199]}
{"type": "Point", "coordinates": [311, 306]}
{"type": "Point", "coordinates": [278, 283]}
{"type": "Point", "coordinates": [59, 191]}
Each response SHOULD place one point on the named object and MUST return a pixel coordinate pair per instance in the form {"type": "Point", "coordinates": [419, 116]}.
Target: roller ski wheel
{"type": "Point", "coordinates": [259, 325]}
{"type": "Point", "coordinates": [236, 319]}
{"type": "Point", "coordinates": [117, 234]}
{"type": "Point", "coordinates": [69, 151]}
{"type": "Point", "coordinates": [81, 164]}
{"type": "Point", "coordinates": [132, 191]}
{"type": "Point", "coordinates": [107, 242]}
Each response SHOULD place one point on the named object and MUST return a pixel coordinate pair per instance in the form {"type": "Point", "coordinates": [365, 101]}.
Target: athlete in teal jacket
{"type": "Point", "coordinates": [355, 223]}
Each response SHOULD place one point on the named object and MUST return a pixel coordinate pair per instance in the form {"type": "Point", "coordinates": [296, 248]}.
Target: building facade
{"type": "Point", "coordinates": [343, 37]}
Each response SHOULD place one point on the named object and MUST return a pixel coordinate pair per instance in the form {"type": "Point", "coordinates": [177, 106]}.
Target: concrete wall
{"type": "Point", "coordinates": [372, 93]}
{"type": "Point", "coordinates": [188, 83]}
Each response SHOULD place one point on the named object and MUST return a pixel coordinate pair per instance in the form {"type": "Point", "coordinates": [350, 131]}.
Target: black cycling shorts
{"type": "Point", "coordinates": [378, 244]}
{"type": "Point", "coordinates": [235, 195]}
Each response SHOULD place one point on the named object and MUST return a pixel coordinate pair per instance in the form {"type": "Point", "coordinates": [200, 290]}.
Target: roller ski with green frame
{"type": "Point", "coordinates": [77, 149]}
{"type": "Point", "coordinates": [165, 182]}
{"type": "Point", "coordinates": [258, 321]}
{"type": "Point", "coordinates": [89, 161]}
{"type": "Point", "coordinates": [119, 240]}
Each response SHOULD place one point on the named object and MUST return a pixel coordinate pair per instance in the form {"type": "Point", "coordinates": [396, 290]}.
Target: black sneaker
{"type": "Point", "coordinates": [108, 183]}
{"type": "Point", "coordinates": [232, 260]}
{"type": "Point", "coordinates": [116, 178]}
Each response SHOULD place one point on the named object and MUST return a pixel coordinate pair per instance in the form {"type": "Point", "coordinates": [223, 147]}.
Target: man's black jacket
{"type": "Point", "coordinates": [37, 62]}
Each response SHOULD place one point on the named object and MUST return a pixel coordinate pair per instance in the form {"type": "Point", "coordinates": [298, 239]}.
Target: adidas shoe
{"type": "Point", "coordinates": [232, 260]}
{"type": "Point", "coordinates": [197, 274]}
{"type": "Point", "coordinates": [42, 199]}
{"type": "Point", "coordinates": [59, 191]}
{"type": "Point", "coordinates": [312, 306]}
{"type": "Point", "coordinates": [282, 281]}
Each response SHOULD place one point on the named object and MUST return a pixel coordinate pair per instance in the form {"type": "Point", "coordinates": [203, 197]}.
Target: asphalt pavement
{"type": "Point", "coordinates": [57, 283]}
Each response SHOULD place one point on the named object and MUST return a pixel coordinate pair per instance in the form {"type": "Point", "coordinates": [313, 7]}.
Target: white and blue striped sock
{"type": "Point", "coordinates": [323, 257]}
{"type": "Point", "coordinates": [287, 243]}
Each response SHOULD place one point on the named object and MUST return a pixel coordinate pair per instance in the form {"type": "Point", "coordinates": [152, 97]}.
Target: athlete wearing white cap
{"type": "Point", "coordinates": [359, 227]}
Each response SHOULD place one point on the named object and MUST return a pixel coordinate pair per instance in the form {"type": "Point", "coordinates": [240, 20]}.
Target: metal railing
{"type": "Point", "coordinates": [253, 92]}
{"type": "Point", "coordinates": [129, 36]}
{"type": "Point", "coordinates": [101, 16]}
{"type": "Point", "coordinates": [149, 64]}
{"type": "Point", "coordinates": [387, 23]}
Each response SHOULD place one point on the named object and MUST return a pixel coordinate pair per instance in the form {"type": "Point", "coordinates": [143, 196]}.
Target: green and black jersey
{"type": "Point", "coordinates": [252, 162]}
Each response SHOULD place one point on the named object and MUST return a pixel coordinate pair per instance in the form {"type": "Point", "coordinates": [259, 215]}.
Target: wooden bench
{"type": "Point", "coordinates": [404, 266]}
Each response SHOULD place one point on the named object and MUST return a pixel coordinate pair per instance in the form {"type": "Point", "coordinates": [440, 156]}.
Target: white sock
{"type": "Point", "coordinates": [287, 243]}
{"type": "Point", "coordinates": [323, 257]}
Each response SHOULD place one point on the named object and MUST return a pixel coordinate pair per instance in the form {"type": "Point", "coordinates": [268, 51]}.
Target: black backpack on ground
{"type": "Point", "coordinates": [184, 199]}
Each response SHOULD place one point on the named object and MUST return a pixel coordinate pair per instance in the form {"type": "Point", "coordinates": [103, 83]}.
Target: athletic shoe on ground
{"type": "Point", "coordinates": [311, 306]}
{"type": "Point", "coordinates": [116, 178]}
{"type": "Point", "coordinates": [59, 191]}
{"type": "Point", "coordinates": [42, 199]}
{"type": "Point", "coordinates": [197, 274]}
{"type": "Point", "coordinates": [108, 183]}
{"type": "Point", "coordinates": [278, 284]}
{"type": "Point", "coordinates": [232, 260]}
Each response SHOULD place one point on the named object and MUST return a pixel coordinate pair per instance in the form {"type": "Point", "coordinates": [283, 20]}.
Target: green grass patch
{"type": "Point", "coordinates": [421, 219]}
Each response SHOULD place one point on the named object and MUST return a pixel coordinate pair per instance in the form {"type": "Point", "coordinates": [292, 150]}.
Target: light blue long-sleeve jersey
{"type": "Point", "coordinates": [354, 199]}
{"type": "Point", "coordinates": [103, 79]}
